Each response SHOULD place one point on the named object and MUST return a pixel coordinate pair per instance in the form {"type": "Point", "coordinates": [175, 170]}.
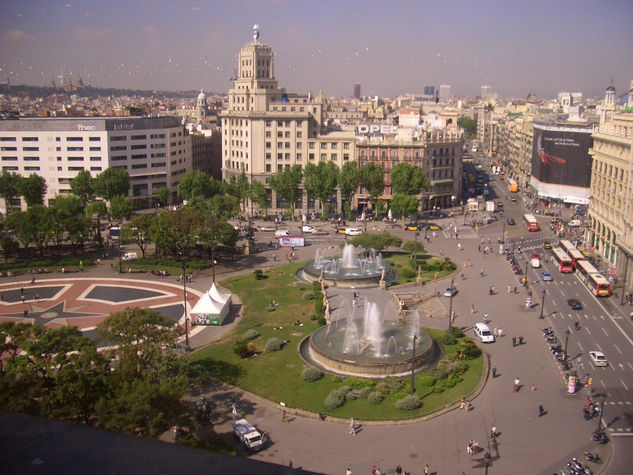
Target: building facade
{"type": "Point", "coordinates": [155, 151]}
{"type": "Point", "coordinates": [266, 129]}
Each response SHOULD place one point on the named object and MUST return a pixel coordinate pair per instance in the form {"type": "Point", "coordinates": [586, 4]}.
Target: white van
{"type": "Point", "coordinates": [484, 333]}
{"type": "Point", "coordinates": [129, 256]}
{"type": "Point", "coordinates": [282, 233]}
{"type": "Point", "coordinates": [352, 231]}
{"type": "Point", "coordinates": [574, 223]}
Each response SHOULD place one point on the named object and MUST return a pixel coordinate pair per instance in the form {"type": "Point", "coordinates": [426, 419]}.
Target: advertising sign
{"type": "Point", "coordinates": [290, 241]}
{"type": "Point", "coordinates": [560, 155]}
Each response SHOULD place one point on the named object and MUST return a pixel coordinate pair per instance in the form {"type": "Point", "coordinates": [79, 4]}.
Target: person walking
{"type": "Point", "coordinates": [509, 288]}
{"type": "Point", "coordinates": [284, 417]}
{"type": "Point", "coordinates": [517, 383]}
{"type": "Point", "coordinates": [427, 470]}
{"type": "Point", "coordinates": [399, 470]}
{"type": "Point", "coordinates": [485, 318]}
{"type": "Point", "coordinates": [541, 411]}
{"type": "Point", "coordinates": [493, 432]}
{"type": "Point", "coordinates": [352, 427]}
{"type": "Point", "coordinates": [514, 341]}
{"type": "Point", "coordinates": [463, 402]}
{"type": "Point", "coordinates": [472, 309]}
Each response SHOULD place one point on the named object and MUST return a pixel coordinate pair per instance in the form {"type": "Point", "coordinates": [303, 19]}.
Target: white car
{"type": "Point", "coordinates": [484, 333]}
{"type": "Point", "coordinates": [352, 231]}
{"type": "Point", "coordinates": [450, 291]}
{"type": "Point", "coordinates": [598, 358]}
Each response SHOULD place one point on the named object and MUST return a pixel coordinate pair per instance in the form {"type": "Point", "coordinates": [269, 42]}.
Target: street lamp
{"type": "Point", "coordinates": [542, 304]}
{"type": "Point", "coordinates": [567, 332]}
{"type": "Point", "coordinates": [184, 298]}
{"type": "Point", "coordinates": [415, 337]}
{"type": "Point", "coordinates": [415, 252]}
{"type": "Point", "coordinates": [604, 396]}
{"type": "Point", "coordinates": [527, 262]}
{"type": "Point", "coordinates": [450, 308]}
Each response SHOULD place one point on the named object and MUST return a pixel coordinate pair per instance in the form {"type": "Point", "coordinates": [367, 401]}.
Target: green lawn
{"type": "Point", "coordinates": [277, 375]}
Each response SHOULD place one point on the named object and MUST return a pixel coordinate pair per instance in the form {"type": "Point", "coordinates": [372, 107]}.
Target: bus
{"type": "Point", "coordinates": [531, 222]}
{"type": "Point", "coordinates": [564, 262]}
{"type": "Point", "coordinates": [572, 251]}
{"type": "Point", "coordinates": [596, 282]}
{"type": "Point", "coordinates": [513, 186]}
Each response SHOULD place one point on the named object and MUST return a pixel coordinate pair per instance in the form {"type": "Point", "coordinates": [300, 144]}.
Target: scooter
{"type": "Point", "coordinates": [595, 458]}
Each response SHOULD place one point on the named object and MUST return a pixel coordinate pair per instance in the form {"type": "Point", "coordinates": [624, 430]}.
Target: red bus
{"type": "Point", "coordinates": [593, 279]}
{"type": "Point", "coordinates": [513, 186]}
{"type": "Point", "coordinates": [572, 251]}
{"type": "Point", "coordinates": [531, 222]}
{"type": "Point", "coordinates": [564, 262]}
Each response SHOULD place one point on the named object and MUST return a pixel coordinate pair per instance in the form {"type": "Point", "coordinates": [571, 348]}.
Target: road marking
{"type": "Point", "coordinates": [586, 328]}
{"type": "Point", "coordinates": [581, 348]}
{"type": "Point", "coordinates": [603, 385]}
{"type": "Point", "coordinates": [616, 347]}
{"type": "Point", "coordinates": [625, 386]}
{"type": "Point", "coordinates": [598, 345]}
{"type": "Point", "coordinates": [630, 365]}
{"type": "Point", "coordinates": [612, 367]}
{"type": "Point", "coordinates": [586, 317]}
{"type": "Point", "coordinates": [605, 332]}
{"type": "Point", "coordinates": [601, 317]}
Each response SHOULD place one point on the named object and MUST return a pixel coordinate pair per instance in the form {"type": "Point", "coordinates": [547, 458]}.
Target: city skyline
{"type": "Point", "coordinates": [390, 48]}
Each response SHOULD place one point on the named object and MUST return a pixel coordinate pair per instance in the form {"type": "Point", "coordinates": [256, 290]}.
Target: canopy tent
{"type": "Point", "coordinates": [212, 308]}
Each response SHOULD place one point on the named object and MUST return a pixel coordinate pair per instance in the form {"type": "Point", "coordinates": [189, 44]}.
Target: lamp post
{"type": "Point", "coordinates": [604, 396]}
{"type": "Point", "coordinates": [503, 233]}
{"type": "Point", "coordinates": [120, 252]}
{"type": "Point", "coordinates": [415, 337]}
{"type": "Point", "coordinates": [415, 252]}
{"type": "Point", "coordinates": [213, 262]}
{"type": "Point", "coordinates": [527, 262]}
{"type": "Point", "coordinates": [184, 299]}
{"type": "Point", "coordinates": [567, 332]}
{"type": "Point", "coordinates": [450, 308]}
{"type": "Point", "coordinates": [542, 304]}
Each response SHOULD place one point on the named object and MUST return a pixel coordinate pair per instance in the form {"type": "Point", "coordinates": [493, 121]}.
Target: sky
{"type": "Point", "coordinates": [389, 47]}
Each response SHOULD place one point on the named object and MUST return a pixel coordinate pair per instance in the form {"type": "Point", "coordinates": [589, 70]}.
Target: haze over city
{"type": "Point", "coordinates": [389, 47]}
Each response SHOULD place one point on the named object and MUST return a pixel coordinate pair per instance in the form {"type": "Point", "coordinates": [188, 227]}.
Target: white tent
{"type": "Point", "coordinates": [212, 308]}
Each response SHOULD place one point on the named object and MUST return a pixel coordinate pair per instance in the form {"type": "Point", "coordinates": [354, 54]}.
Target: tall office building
{"type": "Point", "coordinates": [429, 90]}
{"type": "Point", "coordinates": [485, 91]}
{"type": "Point", "coordinates": [155, 151]}
{"type": "Point", "coordinates": [356, 91]}
{"type": "Point", "coordinates": [266, 129]}
{"type": "Point", "coordinates": [445, 92]}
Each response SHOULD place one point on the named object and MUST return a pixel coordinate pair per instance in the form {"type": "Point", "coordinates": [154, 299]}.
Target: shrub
{"type": "Point", "coordinates": [311, 374]}
{"type": "Point", "coordinates": [439, 372]}
{"type": "Point", "coordinates": [467, 350]}
{"type": "Point", "coordinates": [259, 274]}
{"type": "Point", "coordinates": [313, 316]}
{"type": "Point", "coordinates": [316, 286]}
{"type": "Point", "coordinates": [307, 296]}
{"type": "Point", "coordinates": [452, 381]}
{"type": "Point", "coordinates": [357, 383]}
{"type": "Point", "coordinates": [334, 400]}
{"type": "Point", "coordinates": [395, 384]}
{"type": "Point", "coordinates": [350, 396]}
{"type": "Point", "coordinates": [438, 388]}
{"type": "Point", "coordinates": [412, 246]}
{"type": "Point", "coordinates": [409, 403]}
{"type": "Point", "coordinates": [426, 380]}
{"type": "Point", "coordinates": [446, 339]}
{"type": "Point", "coordinates": [343, 390]}
{"type": "Point", "coordinates": [250, 334]}
{"type": "Point", "coordinates": [251, 348]}
{"type": "Point", "coordinates": [241, 349]}
{"type": "Point", "coordinates": [274, 344]}
{"type": "Point", "coordinates": [363, 393]}
{"type": "Point", "coordinates": [383, 388]}
{"type": "Point", "coordinates": [321, 321]}
{"type": "Point", "coordinates": [375, 397]}
{"type": "Point", "coordinates": [456, 332]}
{"type": "Point", "coordinates": [407, 273]}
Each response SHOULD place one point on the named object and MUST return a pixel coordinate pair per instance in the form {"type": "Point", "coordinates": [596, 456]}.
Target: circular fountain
{"type": "Point", "coordinates": [357, 267]}
{"type": "Point", "coordinates": [369, 342]}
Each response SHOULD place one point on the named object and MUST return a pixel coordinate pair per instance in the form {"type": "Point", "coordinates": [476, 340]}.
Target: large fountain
{"type": "Point", "coordinates": [357, 267]}
{"type": "Point", "coordinates": [369, 341]}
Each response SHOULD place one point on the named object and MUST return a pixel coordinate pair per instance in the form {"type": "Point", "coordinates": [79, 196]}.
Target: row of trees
{"type": "Point", "coordinates": [135, 387]}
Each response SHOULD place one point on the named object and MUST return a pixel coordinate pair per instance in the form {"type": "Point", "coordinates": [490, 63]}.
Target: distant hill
{"type": "Point", "coordinates": [89, 91]}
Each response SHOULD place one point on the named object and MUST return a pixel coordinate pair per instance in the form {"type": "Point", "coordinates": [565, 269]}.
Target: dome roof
{"type": "Point", "coordinates": [611, 88]}
{"type": "Point", "coordinates": [202, 96]}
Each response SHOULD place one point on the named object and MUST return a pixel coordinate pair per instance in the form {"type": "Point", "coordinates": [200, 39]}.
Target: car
{"type": "Point", "coordinates": [434, 227]}
{"type": "Point", "coordinates": [574, 304]}
{"type": "Point", "coordinates": [320, 232]}
{"type": "Point", "coordinates": [547, 245]}
{"type": "Point", "coordinates": [499, 204]}
{"type": "Point", "coordinates": [412, 227]}
{"type": "Point", "coordinates": [352, 231]}
{"type": "Point", "coordinates": [450, 291]}
{"type": "Point", "coordinates": [484, 333]}
{"type": "Point", "coordinates": [341, 231]}
{"type": "Point", "coordinates": [546, 276]}
{"type": "Point", "coordinates": [493, 219]}
{"type": "Point", "coordinates": [266, 228]}
{"type": "Point", "coordinates": [511, 221]}
{"type": "Point", "coordinates": [513, 199]}
{"type": "Point", "coordinates": [598, 358]}
{"type": "Point", "coordinates": [518, 271]}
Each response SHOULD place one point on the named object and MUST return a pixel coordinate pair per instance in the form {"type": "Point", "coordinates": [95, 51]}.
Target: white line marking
{"type": "Point", "coordinates": [594, 317]}
{"type": "Point", "coordinates": [616, 347]}
{"type": "Point", "coordinates": [603, 385]}
{"type": "Point", "coordinates": [581, 348]}
{"type": "Point", "coordinates": [598, 345]}
{"type": "Point", "coordinates": [630, 365]}
{"type": "Point", "coordinates": [612, 368]}
{"type": "Point", "coordinates": [588, 330]}
{"type": "Point", "coordinates": [625, 386]}
{"type": "Point", "coordinates": [605, 332]}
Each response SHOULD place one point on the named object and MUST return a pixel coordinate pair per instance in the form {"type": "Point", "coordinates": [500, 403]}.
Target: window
{"type": "Point", "coordinates": [118, 147]}
{"type": "Point", "coordinates": [323, 156]}
{"type": "Point", "coordinates": [75, 169]}
{"type": "Point", "coordinates": [75, 159]}
{"type": "Point", "coordinates": [333, 156]}
{"type": "Point", "coordinates": [95, 149]}
{"type": "Point", "coordinates": [95, 159]}
{"type": "Point", "coordinates": [280, 144]}
{"type": "Point", "coordinates": [10, 169]}
{"type": "Point", "coordinates": [95, 169]}
{"type": "Point", "coordinates": [32, 139]}
{"type": "Point", "coordinates": [138, 137]}
{"type": "Point", "coordinates": [268, 145]}
{"type": "Point", "coordinates": [95, 139]}
{"type": "Point", "coordinates": [268, 156]}
{"type": "Point", "coordinates": [279, 156]}
{"type": "Point", "coordinates": [117, 138]}
{"type": "Point", "coordinates": [9, 149]}
{"type": "Point", "coordinates": [9, 159]}
{"type": "Point", "coordinates": [74, 149]}
{"type": "Point", "coordinates": [31, 169]}
{"type": "Point", "coordinates": [159, 164]}
{"type": "Point", "coordinates": [346, 146]}
{"type": "Point", "coordinates": [136, 166]}
{"type": "Point", "coordinates": [333, 145]}
{"type": "Point", "coordinates": [31, 149]}
{"type": "Point", "coordinates": [268, 168]}
{"type": "Point", "coordinates": [346, 157]}
{"type": "Point", "coordinates": [299, 134]}
{"type": "Point", "coordinates": [141, 155]}
{"type": "Point", "coordinates": [117, 158]}
{"type": "Point", "coordinates": [287, 135]}
{"type": "Point", "coordinates": [299, 157]}
{"type": "Point", "coordinates": [31, 159]}
{"type": "Point", "coordinates": [311, 145]}
{"type": "Point", "coordinates": [74, 139]}
{"type": "Point", "coordinates": [280, 168]}
{"type": "Point", "coordinates": [268, 134]}
{"type": "Point", "coordinates": [311, 156]}
{"type": "Point", "coordinates": [7, 139]}
{"type": "Point", "coordinates": [323, 145]}
{"type": "Point", "coordinates": [138, 147]}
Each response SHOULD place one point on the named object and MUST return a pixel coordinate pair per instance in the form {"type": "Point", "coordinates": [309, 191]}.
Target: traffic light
{"type": "Point", "coordinates": [590, 382]}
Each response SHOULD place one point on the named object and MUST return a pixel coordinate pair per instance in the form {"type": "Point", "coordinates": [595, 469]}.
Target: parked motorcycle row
{"type": "Point", "coordinates": [554, 344]}
{"type": "Point", "coordinates": [516, 268]}
{"type": "Point", "coordinates": [574, 467]}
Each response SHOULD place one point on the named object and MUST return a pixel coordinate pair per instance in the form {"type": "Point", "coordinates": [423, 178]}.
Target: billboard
{"type": "Point", "coordinates": [560, 155]}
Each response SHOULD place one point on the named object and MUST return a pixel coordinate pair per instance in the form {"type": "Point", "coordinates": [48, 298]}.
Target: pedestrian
{"type": "Point", "coordinates": [494, 373]}
{"type": "Point", "coordinates": [520, 340]}
{"type": "Point", "coordinates": [481, 272]}
{"type": "Point", "coordinates": [493, 432]}
{"type": "Point", "coordinates": [500, 332]}
{"type": "Point", "coordinates": [469, 448]}
{"type": "Point", "coordinates": [516, 384]}
{"type": "Point", "coordinates": [427, 470]}
{"type": "Point", "coordinates": [352, 427]}
{"type": "Point", "coordinates": [373, 470]}
{"type": "Point", "coordinates": [284, 417]}
{"type": "Point", "coordinates": [541, 411]}
{"type": "Point", "coordinates": [399, 470]}
{"type": "Point", "coordinates": [33, 280]}
{"type": "Point", "coordinates": [485, 318]}
{"type": "Point", "coordinates": [21, 290]}
{"type": "Point", "coordinates": [233, 409]}
{"type": "Point", "coordinates": [348, 471]}
{"type": "Point", "coordinates": [467, 406]}
{"type": "Point", "coordinates": [509, 288]}
{"type": "Point", "coordinates": [472, 309]}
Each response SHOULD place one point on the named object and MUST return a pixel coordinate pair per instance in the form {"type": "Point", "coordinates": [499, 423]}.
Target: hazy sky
{"type": "Point", "coordinates": [389, 47]}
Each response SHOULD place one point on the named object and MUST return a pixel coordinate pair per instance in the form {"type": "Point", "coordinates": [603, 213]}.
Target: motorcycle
{"type": "Point", "coordinates": [595, 458]}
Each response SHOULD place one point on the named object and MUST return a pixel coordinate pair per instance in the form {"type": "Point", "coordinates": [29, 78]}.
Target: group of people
{"type": "Point", "coordinates": [473, 447]}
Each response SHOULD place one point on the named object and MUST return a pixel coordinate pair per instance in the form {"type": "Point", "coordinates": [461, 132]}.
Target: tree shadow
{"type": "Point", "coordinates": [221, 370]}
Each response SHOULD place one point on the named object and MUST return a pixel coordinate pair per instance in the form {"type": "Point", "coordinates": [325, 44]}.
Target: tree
{"type": "Point", "coordinates": [258, 195]}
{"type": "Point", "coordinates": [404, 205]}
{"type": "Point", "coordinates": [379, 241]}
{"type": "Point", "coordinates": [287, 185]}
{"type": "Point", "coordinates": [69, 219]}
{"type": "Point", "coordinates": [33, 188]}
{"type": "Point", "coordinates": [321, 181]}
{"type": "Point", "coordinates": [120, 207]}
{"type": "Point", "coordinates": [34, 226]}
{"type": "Point", "coordinates": [407, 179]}
{"type": "Point", "coordinates": [98, 210]}
{"type": "Point", "coordinates": [9, 188]}
{"type": "Point", "coordinates": [469, 125]}
{"type": "Point", "coordinates": [197, 184]}
{"type": "Point", "coordinates": [137, 231]}
{"type": "Point", "coordinates": [82, 186]}
{"type": "Point", "coordinates": [112, 182]}
{"type": "Point", "coordinates": [177, 231]}
{"type": "Point", "coordinates": [242, 189]}
{"type": "Point", "coordinates": [372, 178]}
{"type": "Point", "coordinates": [349, 181]}
{"type": "Point", "coordinates": [163, 195]}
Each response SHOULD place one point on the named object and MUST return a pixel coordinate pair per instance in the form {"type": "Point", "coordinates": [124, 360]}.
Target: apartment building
{"type": "Point", "coordinates": [155, 151]}
{"type": "Point", "coordinates": [266, 129]}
